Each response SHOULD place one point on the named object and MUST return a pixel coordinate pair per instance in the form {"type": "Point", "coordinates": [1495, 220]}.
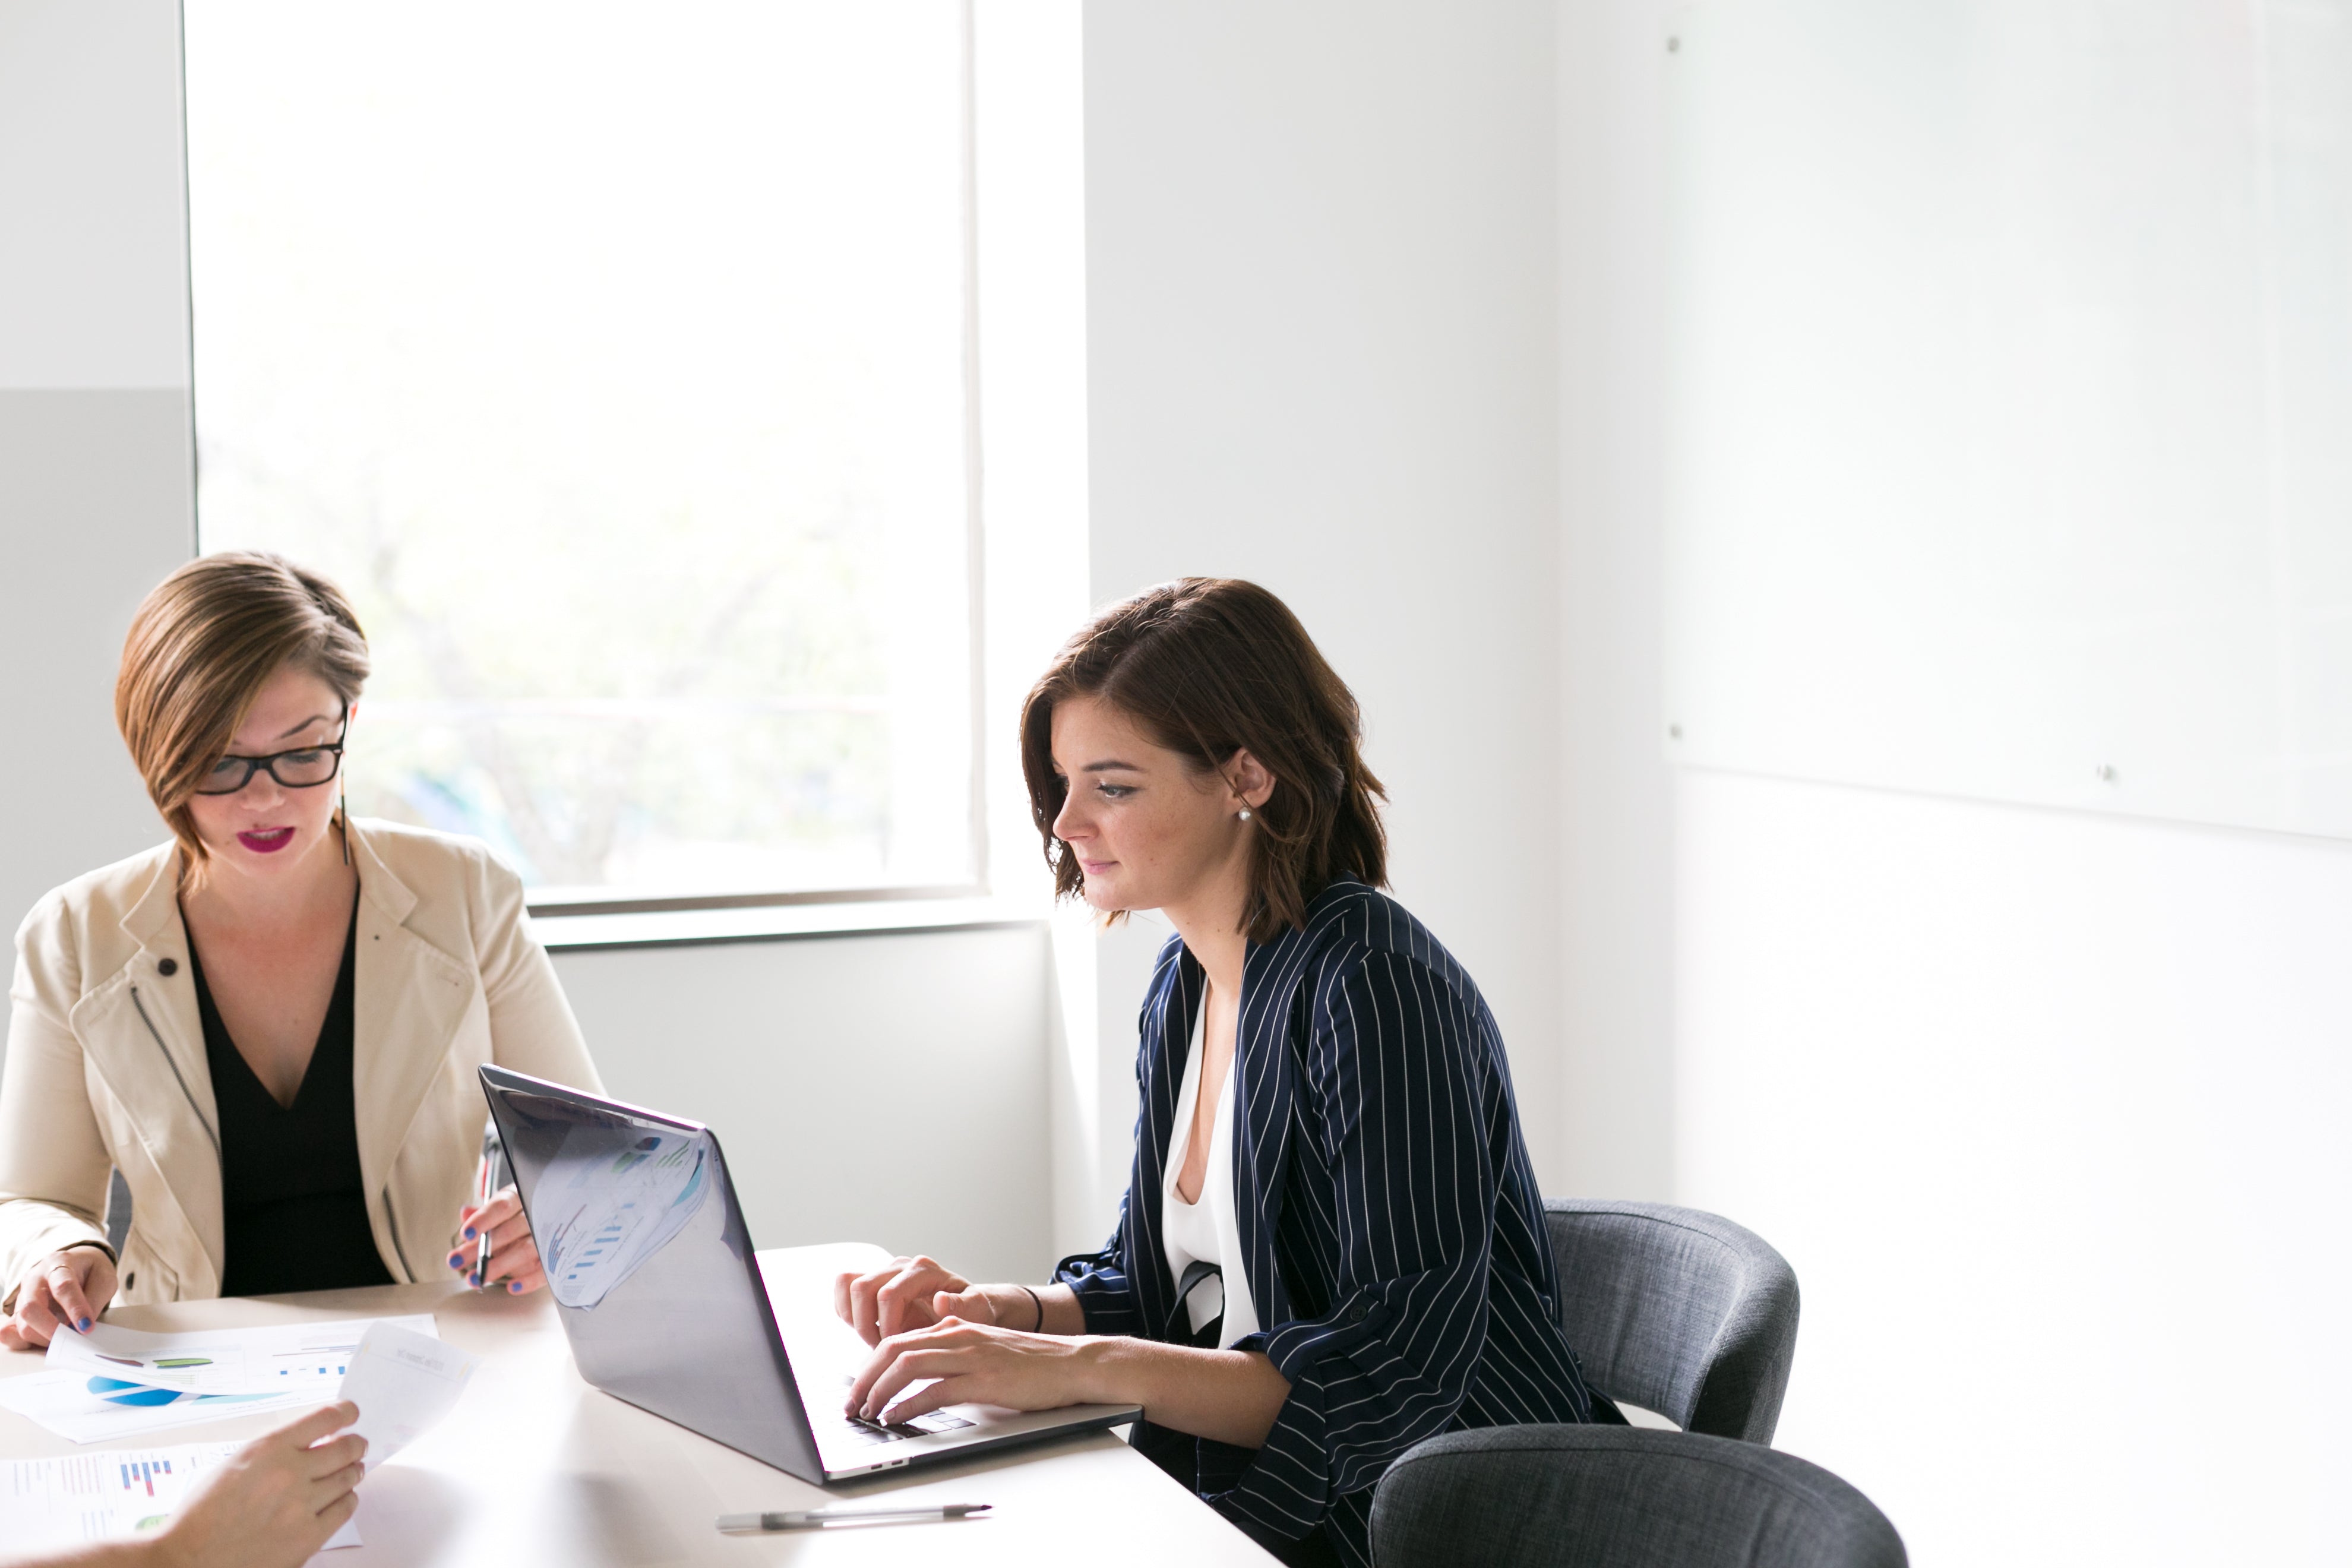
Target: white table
{"type": "Point", "coordinates": [535, 1467]}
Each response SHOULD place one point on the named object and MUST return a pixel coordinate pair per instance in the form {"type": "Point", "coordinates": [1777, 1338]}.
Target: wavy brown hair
{"type": "Point", "coordinates": [200, 649]}
{"type": "Point", "coordinates": [1207, 667]}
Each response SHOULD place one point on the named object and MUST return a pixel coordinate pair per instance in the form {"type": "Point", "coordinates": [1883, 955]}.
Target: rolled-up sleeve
{"type": "Point", "coordinates": [1399, 1076]}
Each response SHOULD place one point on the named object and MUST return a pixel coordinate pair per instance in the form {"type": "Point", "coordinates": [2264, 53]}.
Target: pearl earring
{"type": "Point", "coordinates": [1241, 816]}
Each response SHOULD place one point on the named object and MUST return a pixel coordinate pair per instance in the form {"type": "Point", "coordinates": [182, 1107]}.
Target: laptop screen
{"type": "Point", "coordinates": [650, 1266]}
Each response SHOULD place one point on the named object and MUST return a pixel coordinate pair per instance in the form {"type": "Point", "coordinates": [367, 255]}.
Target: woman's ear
{"type": "Point", "coordinates": [1248, 779]}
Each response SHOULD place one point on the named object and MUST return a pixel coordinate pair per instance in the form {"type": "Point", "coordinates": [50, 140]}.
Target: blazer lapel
{"type": "Point", "coordinates": [409, 999]}
{"type": "Point", "coordinates": [1170, 1020]}
{"type": "Point", "coordinates": [1265, 1090]}
{"type": "Point", "coordinates": [140, 1032]}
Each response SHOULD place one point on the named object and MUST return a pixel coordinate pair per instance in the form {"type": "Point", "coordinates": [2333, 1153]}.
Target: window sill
{"type": "Point", "coordinates": [778, 922]}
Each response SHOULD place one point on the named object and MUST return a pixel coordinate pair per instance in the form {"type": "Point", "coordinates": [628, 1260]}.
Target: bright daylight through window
{"type": "Point", "coordinates": [614, 359]}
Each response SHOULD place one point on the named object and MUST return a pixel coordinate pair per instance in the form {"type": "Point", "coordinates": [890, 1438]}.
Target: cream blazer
{"type": "Point", "coordinates": [106, 1059]}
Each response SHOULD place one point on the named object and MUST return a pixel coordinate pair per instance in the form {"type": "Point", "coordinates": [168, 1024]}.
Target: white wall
{"type": "Point", "coordinates": [888, 1088]}
{"type": "Point", "coordinates": [1617, 826]}
{"type": "Point", "coordinates": [1321, 287]}
{"type": "Point", "coordinates": [2045, 1109]}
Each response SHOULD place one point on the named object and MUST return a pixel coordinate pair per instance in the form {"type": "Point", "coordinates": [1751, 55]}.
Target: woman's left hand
{"type": "Point", "coordinates": [974, 1364]}
{"type": "Point", "coordinates": [514, 1265]}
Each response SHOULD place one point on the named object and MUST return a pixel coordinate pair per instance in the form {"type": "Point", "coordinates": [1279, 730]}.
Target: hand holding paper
{"type": "Point", "coordinates": [270, 1504]}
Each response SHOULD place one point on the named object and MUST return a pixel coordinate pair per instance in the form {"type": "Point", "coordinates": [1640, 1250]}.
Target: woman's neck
{"type": "Point", "coordinates": [1210, 924]}
{"type": "Point", "coordinates": [320, 888]}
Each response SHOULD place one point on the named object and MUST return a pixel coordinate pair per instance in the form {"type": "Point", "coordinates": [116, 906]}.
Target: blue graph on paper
{"type": "Point", "coordinates": [114, 1391]}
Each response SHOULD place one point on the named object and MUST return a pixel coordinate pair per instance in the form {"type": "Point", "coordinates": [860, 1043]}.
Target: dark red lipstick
{"type": "Point", "coordinates": [268, 841]}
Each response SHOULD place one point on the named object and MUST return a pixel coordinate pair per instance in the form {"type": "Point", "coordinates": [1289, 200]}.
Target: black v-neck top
{"type": "Point", "coordinates": [291, 1188]}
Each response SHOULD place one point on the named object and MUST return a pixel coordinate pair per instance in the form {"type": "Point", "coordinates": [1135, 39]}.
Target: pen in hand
{"type": "Point", "coordinates": [818, 1518]}
{"type": "Point", "coordinates": [482, 1247]}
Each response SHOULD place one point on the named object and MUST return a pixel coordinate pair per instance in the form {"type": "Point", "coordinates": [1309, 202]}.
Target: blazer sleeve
{"type": "Point", "coordinates": [1101, 1281]}
{"type": "Point", "coordinates": [531, 1027]}
{"type": "Point", "coordinates": [1395, 1065]}
{"type": "Point", "coordinates": [53, 1163]}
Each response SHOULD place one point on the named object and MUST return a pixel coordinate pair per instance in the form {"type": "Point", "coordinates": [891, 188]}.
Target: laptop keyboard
{"type": "Point", "coordinates": [856, 1432]}
{"type": "Point", "coordinates": [859, 1433]}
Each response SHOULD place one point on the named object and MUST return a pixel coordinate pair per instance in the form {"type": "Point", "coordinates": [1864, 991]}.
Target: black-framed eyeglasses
{"type": "Point", "coordinates": [306, 767]}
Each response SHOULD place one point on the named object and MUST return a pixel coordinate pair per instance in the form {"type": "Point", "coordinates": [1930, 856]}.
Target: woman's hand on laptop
{"type": "Point", "coordinates": [1232, 1396]}
{"type": "Point", "coordinates": [911, 1293]}
{"type": "Point", "coordinates": [965, 1362]}
{"type": "Point", "coordinates": [514, 1267]}
{"type": "Point", "coordinates": [916, 1293]}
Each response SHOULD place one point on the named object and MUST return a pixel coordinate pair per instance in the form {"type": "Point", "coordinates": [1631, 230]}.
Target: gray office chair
{"type": "Point", "coordinates": [1677, 1311]}
{"type": "Point", "coordinates": [1620, 1496]}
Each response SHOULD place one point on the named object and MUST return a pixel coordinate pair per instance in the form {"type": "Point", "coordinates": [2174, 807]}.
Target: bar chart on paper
{"type": "Point", "coordinates": [47, 1504]}
{"type": "Point", "coordinates": [98, 1497]}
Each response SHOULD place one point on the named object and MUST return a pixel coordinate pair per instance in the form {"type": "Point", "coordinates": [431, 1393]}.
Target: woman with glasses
{"type": "Point", "coordinates": [270, 1023]}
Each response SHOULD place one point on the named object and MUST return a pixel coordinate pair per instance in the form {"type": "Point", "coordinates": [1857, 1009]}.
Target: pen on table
{"type": "Point", "coordinates": [818, 1518]}
{"type": "Point", "coordinates": [482, 1247]}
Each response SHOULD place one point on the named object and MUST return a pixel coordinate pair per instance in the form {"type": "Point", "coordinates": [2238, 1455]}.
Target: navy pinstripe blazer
{"type": "Point", "coordinates": [1392, 1229]}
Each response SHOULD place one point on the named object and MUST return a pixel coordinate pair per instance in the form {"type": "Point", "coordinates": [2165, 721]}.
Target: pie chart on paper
{"type": "Point", "coordinates": [114, 1391]}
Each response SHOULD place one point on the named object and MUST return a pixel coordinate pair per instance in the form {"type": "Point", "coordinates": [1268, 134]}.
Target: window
{"type": "Point", "coordinates": [617, 362]}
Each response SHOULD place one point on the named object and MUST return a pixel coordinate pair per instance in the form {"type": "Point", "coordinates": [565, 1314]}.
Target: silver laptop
{"type": "Point", "coordinates": [666, 1307]}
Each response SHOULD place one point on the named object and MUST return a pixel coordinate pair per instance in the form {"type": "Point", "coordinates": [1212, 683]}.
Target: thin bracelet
{"type": "Point", "coordinates": [1040, 1303]}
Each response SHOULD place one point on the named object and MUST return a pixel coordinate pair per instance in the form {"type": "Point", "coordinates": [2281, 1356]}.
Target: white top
{"type": "Point", "coordinates": [1207, 1231]}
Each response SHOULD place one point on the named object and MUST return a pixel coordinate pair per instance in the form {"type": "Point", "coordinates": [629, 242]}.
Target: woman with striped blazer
{"type": "Point", "coordinates": [1332, 1245]}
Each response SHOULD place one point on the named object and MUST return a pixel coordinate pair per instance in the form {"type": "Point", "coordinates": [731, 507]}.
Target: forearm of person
{"type": "Point", "coordinates": [1227, 1396]}
{"type": "Point", "coordinates": [1054, 1309]}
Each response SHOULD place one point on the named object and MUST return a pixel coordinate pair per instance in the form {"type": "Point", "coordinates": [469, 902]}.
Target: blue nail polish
{"type": "Point", "coordinates": [456, 1260]}
{"type": "Point", "coordinates": [475, 1280]}
{"type": "Point", "coordinates": [83, 1326]}
{"type": "Point", "coordinates": [514, 1287]}
{"type": "Point", "coordinates": [469, 1233]}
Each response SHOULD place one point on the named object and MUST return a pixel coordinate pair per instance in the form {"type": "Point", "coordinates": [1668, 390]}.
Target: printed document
{"type": "Point", "coordinates": [112, 1384]}
{"type": "Point", "coordinates": [50, 1504]}
{"type": "Point", "coordinates": [278, 1358]}
{"type": "Point", "coordinates": [403, 1383]}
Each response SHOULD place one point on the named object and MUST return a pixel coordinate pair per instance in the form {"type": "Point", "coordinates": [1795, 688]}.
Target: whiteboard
{"type": "Point", "coordinates": [2010, 400]}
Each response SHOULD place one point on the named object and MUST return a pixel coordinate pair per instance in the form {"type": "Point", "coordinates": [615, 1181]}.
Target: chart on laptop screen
{"type": "Point", "coordinates": [605, 1211]}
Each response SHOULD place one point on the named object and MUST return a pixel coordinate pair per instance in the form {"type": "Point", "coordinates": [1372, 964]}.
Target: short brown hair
{"type": "Point", "coordinates": [201, 646]}
{"type": "Point", "coordinates": [1207, 667]}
